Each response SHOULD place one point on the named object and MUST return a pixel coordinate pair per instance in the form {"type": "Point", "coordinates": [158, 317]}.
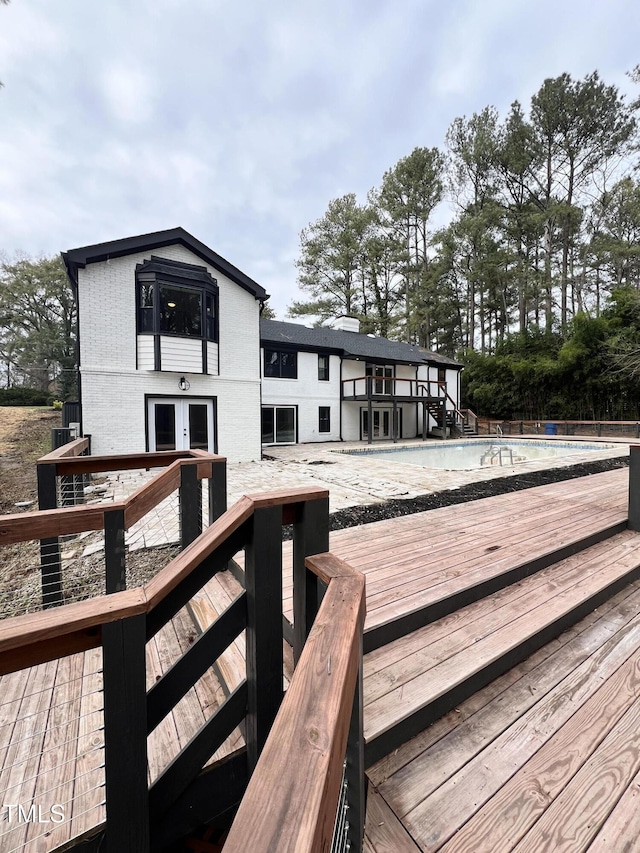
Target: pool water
{"type": "Point", "coordinates": [467, 455]}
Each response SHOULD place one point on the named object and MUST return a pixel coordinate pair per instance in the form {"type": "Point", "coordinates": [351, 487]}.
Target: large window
{"type": "Point", "coordinates": [180, 311]}
{"type": "Point", "coordinates": [280, 364]}
{"type": "Point", "coordinates": [176, 299]}
{"type": "Point", "coordinates": [323, 368]}
{"type": "Point", "coordinates": [278, 424]}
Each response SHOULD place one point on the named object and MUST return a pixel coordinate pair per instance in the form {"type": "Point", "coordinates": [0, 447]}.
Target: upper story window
{"type": "Point", "coordinates": [176, 299]}
{"type": "Point", "coordinates": [442, 374]}
{"type": "Point", "coordinates": [323, 368]}
{"type": "Point", "coordinates": [280, 364]}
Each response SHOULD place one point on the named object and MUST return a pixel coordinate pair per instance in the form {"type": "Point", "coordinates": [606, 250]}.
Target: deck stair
{"type": "Point", "coordinates": [417, 678]}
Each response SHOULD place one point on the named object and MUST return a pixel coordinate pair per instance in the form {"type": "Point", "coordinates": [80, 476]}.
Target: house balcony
{"type": "Point", "coordinates": [393, 389]}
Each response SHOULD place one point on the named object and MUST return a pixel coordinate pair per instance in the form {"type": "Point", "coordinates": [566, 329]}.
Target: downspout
{"type": "Point", "coordinates": [341, 395]}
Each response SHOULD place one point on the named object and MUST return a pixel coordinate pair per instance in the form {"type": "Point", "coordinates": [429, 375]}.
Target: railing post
{"type": "Point", "coordinates": [217, 490]}
{"type": "Point", "coordinates": [114, 553]}
{"type": "Point", "coordinates": [369, 411]}
{"type": "Point", "coordinates": [263, 582]}
{"type": "Point", "coordinates": [310, 536]}
{"type": "Point", "coordinates": [125, 735]}
{"type": "Point", "coordinates": [50, 562]}
{"type": "Point", "coordinates": [355, 777]}
{"type": "Point", "coordinates": [634, 487]}
{"type": "Point", "coordinates": [190, 505]}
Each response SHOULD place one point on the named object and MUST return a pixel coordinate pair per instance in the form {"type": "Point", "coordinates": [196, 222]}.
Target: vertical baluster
{"type": "Point", "coordinates": [310, 536]}
{"type": "Point", "coordinates": [263, 579]}
{"type": "Point", "coordinates": [114, 553]}
{"type": "Point", "coordinates": [634, 487]}
{"type": "Point", "coordinates": [190, 505]}
{"type": "Point", "coordinates": [125, 730]}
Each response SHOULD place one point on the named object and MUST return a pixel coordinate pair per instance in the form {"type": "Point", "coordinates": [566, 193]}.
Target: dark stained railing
{"type": "Point", "coordinates": [142, 818]}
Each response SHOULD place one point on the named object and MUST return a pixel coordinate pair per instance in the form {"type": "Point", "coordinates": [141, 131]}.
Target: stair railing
{"type": "Point", "coordinates": [328, 676]}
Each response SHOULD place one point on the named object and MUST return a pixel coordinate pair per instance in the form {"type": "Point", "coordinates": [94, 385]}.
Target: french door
{"type": "Point", "coordinates": [180, 424]}
{"type": "Point", "coordinates": [381, 421]}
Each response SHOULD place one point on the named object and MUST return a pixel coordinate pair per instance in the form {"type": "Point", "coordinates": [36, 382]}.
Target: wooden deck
{"type": "Point", "coordinates": [545, 758]}
{"type": "Point", "coordinates": [460, 604]}
{"type": "Point", "coordinates": [420, 567]}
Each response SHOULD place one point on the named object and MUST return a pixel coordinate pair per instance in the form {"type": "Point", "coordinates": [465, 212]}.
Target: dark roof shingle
{"type": "Point", "coordinates": [349, 344]}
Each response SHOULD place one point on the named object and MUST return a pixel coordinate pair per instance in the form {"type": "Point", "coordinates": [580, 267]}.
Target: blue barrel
{"type": "Point", "coordinates": [551, 429]}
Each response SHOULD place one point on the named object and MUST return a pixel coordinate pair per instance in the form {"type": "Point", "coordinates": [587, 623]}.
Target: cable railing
{"type": "Point", "coordinates": [62, 554]}
{"type": "Point", "coordinates": [104, 702]}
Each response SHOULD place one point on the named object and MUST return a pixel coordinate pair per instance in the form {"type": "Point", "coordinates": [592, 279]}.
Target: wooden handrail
{"type": "Point", "coordinates": [71, 448]}
{"type": "Point", "coordinates": [128, 461]}
{"type": "Point", "coordinates": [290, 802]}
{"type": "Point", "coordinates": [68, 624]}
{"type": "Point", "coordinates": [41, 524]}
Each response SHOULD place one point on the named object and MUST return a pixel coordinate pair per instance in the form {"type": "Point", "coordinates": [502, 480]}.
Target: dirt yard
{"type": "Point", "coordinates": [25, 436]}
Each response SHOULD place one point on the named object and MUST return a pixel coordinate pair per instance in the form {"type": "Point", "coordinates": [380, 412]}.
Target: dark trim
{"type": "Point", "coordinates": [125, 731]}
{"type": "Point", "coordinates": [310, 536]}
{"type": "Point", "coordinates": [423, 717]}
{"type": "Point", "coordinates": [190, 505]}
{"type": "Point", "coordinates": [157, 352]}
{"type": "Point", "coordinates": [205, 366]}
{"type": "Point", "coordinates": [76, 259]}
{"type": "Point", "coordinates": [263, 583]}
{"type": "Point", "coordinates": [341, 401]}
{"type": "Point", "coordinates": [114, 550]}
{"type": "Point", "coordinates": [387, 633]}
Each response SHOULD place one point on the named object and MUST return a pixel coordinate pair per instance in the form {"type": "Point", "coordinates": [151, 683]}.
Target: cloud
{"type": "Point", "coordinates": [129, 93]}
{"type": "Point", "coordinates": [242, 121]}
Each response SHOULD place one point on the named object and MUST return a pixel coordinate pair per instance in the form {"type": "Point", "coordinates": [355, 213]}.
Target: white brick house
{"type": "Point", "coordinates": [168, 346]}
{"type": "Point", "coordinates": [331, 384]}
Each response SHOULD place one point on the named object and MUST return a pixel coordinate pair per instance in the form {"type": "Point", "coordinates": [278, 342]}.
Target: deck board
{"type": "Point", "coordinates": [407, 560]}
{"type": "Point", "coordinates": [544, 762]}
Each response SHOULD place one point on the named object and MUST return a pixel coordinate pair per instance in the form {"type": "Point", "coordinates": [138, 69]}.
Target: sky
{"type": "Point", "coordinates": [240, 121]}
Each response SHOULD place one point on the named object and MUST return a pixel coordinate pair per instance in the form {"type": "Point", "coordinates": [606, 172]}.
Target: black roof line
{"type": "Point", "coordinates": [76, 259]}
{"type": "Point", "coordinates": [348, 344]}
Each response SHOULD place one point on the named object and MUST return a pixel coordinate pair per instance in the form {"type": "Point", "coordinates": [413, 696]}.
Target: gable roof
{"type": "Point", "coordinates": [348, 344]}
{"type": "Point", "coordinates": [76, 259]}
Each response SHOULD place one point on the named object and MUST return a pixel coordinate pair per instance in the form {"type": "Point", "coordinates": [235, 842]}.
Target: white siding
{"type": "Point", "coordinates": [113, 391]}
{"type": "Point", "coordinates": [212, 358]}
{"type": "Point", "coordinates": [182, 355]}
{"type": "Point", "coordinates": [145, 352]}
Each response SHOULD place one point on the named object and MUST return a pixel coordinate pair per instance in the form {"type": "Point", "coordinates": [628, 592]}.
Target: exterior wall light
{"type": "Point", "coordinates": [184, 384]}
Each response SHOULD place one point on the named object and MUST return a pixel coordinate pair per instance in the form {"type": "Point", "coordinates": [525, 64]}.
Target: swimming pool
{"type": "Point", "coordinates": [467, 455]}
